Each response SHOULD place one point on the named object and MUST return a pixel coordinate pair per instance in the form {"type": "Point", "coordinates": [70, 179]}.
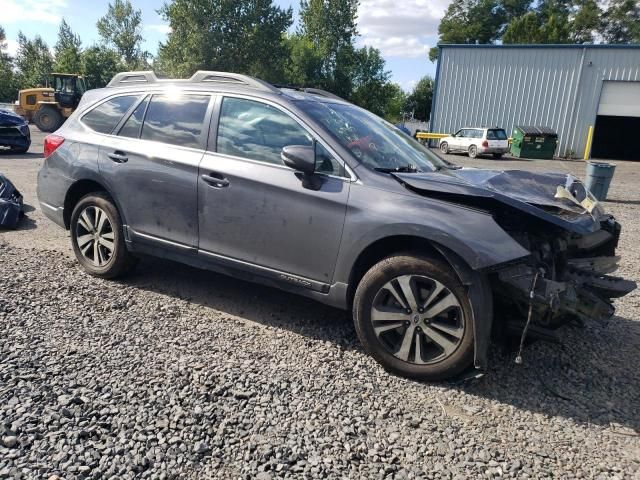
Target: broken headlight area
{"type": "Point", "coordinates": [567, 277]}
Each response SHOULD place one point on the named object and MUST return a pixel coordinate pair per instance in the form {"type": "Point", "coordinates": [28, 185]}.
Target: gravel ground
{"type": "Point", "coordinates": [180, 373]}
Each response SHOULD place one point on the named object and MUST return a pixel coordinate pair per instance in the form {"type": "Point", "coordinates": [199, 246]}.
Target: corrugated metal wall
{"type": "Point", "coordinates": [552, 86]}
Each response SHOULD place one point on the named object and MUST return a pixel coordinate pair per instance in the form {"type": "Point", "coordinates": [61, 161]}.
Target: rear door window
{"type": "Point", "coordinates": [105, 117]}
{"type": "Point", "coordinates": [496, 134]}
{"type": "Point", "coordinates": [176, 120]}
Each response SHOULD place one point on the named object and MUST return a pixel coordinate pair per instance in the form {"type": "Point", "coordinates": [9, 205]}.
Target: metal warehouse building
{"type": "Point", "coordinates": [569, 88]}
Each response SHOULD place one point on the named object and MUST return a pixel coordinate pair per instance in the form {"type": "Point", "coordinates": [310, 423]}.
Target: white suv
{"type": "Point", "coordinates": [476, 141]}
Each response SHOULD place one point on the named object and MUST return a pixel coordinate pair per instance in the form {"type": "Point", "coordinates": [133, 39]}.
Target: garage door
{"type": "Point", "coordinates": [620, 99]}
{"type": "Point", "coordinates": [617, 122]}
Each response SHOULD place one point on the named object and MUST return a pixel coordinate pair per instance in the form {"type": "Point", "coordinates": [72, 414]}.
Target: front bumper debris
{"type": "Point", "coordinates": [570, 280]}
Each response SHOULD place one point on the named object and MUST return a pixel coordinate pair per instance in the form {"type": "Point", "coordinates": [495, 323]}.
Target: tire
{"type": "Point", "coordinates": [110, 257]}
{"type": "Point", "coordinates": [497, 156]}
{"type": "Point", "coordinates": [473, 151]}
{"type": "Point", "coordinates": [444, 147]}
{"type": "Point", "coordinates": [435, 286]}
{"type": "Point", "coordinates": [48, 119]}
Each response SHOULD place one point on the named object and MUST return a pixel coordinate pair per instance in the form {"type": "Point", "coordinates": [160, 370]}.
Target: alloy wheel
{"type": "Point", "coordinates": [417, 319]}
{"type": "Point", "coordinates": [95, 236]}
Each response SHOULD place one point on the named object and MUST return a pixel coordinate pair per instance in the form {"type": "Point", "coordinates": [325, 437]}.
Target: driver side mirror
{"type": "Point", "coordinates": [301, 158]}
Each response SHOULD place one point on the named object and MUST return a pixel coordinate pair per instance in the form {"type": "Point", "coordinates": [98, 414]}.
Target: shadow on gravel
{"type": "Point", "coordinates": [20, 156]}
{"type": "Point", "coordinates": [592, 378]}
{"type": "Point", "coordinates": [623, 202]}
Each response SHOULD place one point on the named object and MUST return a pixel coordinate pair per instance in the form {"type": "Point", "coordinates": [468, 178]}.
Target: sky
{"type": "Point", "coordinates": [403, 30]}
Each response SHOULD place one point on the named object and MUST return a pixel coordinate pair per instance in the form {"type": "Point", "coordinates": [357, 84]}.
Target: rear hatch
{"type": "Point", "coordinates": [497, 138]}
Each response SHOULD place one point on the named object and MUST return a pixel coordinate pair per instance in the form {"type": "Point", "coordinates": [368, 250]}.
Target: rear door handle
{"type": "Point", "coordinates": [216, 180]}
{"type": "Point", "coordinates": [118, 157]}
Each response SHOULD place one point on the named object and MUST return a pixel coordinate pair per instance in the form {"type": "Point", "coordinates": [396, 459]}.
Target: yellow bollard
{"type": "Point", "coordinates": [587, 148]}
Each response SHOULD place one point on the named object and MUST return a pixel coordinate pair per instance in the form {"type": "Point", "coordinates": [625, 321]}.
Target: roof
{"type": "Point", "coordinates": [631, 46]}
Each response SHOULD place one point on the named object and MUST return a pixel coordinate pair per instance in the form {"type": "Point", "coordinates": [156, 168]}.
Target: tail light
{"type": "Point", "coordinates": [51, 143]}
{"type": "Point", "coordinates": [485, 143]}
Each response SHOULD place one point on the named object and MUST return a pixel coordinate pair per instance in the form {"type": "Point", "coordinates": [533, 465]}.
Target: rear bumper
{"type": "Point", "coordinates": [53, 213]}
{"type": "Point", "coordinates": [493, 150]}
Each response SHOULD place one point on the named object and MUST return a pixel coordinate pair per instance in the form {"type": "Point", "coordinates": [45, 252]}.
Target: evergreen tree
{"type": "Point", "coordinates": [68, 50]}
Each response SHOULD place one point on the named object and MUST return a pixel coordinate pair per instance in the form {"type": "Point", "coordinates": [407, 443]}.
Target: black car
{"type": "Point", "coordinates": [14, 132]}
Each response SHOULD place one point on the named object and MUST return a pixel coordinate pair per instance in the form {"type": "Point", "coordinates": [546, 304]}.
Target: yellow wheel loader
{"type": "Point", "coordinates": [49, 107]}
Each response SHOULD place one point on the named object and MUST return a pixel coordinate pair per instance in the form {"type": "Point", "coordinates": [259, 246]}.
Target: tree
{"type": "Point", "coordinates": [121, 28]}
{"type": "Point", "coordinates": [586, 21]}
{"type": "Point", "coordinates": [419, 100]}
{"type": "Point", "coordinates": [99, 65]}
{"type": "Point", "coordinates": [244, 36]}
{"type": "Point", "coordinates": [396, 103]}
{"type": "Point", "coordinates": [331, 27]}
{"type": "Point", "coordinates": [68, 50]}
{"type": "Point", "coordinates": [304, 62]}
{"type": "Point", "coordinates": [370, 81]}
{"type": "Point", "coordinates": [622, 22]}
{"type": "Point", "coordinates": [34, 62]}
{"type": "Point", "coordinates": [476, 21]}
{"type": "Point", "coordinates": [8, 87]}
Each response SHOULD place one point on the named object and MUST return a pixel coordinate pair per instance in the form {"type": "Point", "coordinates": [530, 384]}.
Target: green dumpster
{"type": "Point", "coordinates": [533, 142]}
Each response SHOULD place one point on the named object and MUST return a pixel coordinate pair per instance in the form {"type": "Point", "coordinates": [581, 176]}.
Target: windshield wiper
{"type": "Point", "coordinates": [404, 169]}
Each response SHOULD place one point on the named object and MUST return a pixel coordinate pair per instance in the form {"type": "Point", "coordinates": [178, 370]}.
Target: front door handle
{"type": "Point", "coordinates": [216, 180]}
{"type": "Point", "coordinates": [118, 157]}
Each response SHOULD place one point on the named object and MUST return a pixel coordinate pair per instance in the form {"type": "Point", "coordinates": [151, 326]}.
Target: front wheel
{"type": "Point", "coordinates": [473, 151]}
{"type": "Point", "coordinates": [413, 315]}
{"type": "Point", "coordinates": [444, 147]}
{"type": "Point", "coordinates": [97, 237]}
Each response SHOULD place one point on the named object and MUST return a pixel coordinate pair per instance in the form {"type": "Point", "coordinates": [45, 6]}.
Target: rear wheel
{"type": "Point", "coordinates": [473, 151]}
{"type": "Point", "coordinates": [97, 237]}
{"type": "Point", "coordinates": [444, 147]}
{"type": "Point", "coordinates": [497, 156]}
{"type": "Point", "coordinates": [48, 119]}
{"type": "Point", "coordinates": [413, 315]}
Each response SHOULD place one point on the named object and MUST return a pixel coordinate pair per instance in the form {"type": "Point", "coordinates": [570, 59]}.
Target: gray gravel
{"type": "Point", "coordinates": [180, 373]}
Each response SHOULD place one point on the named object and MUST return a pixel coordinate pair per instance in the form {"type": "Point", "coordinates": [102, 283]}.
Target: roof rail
{"type": "Point", "coordinates": [125, 79]}
{"type": "Point", "coordinates": [322, 93]}
{"type": "Point", "coordinates": [206, 76]}
{"type": "Point", "coordinates": [313, 91]}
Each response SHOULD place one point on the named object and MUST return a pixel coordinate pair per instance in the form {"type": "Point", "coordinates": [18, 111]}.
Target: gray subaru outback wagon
{"type": "Point", "coordinates": [299, 189]}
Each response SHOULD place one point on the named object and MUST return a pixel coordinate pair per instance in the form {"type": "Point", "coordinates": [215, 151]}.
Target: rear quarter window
{"type": "Point", "coordinates": [105, 117]}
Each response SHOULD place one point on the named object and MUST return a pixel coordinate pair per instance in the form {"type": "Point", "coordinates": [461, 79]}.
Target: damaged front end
{"type": "Point", "coordinates": [570, 239]}
{"type": "Point", "coordinates": [11, 204]}
{"type": "Point", "coordinates": [566, 278]}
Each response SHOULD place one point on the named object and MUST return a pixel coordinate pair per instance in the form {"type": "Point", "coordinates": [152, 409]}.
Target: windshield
{"type": "Point", "coordinates": [373, 141]}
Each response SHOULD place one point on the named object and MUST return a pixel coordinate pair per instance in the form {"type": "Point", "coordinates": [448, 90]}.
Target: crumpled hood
{"type": "Point", "coordinates": [527, 191]}
{"type": "Point", "coordinates": [10, 119]}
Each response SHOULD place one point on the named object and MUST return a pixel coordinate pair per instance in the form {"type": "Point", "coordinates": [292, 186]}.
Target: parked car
{"type": "Point", "coordinates": [301, 190]}
{"type": "Point", "coordinates": [477, 141]}
{"type": "Point", "coordinates": [14, 132]}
